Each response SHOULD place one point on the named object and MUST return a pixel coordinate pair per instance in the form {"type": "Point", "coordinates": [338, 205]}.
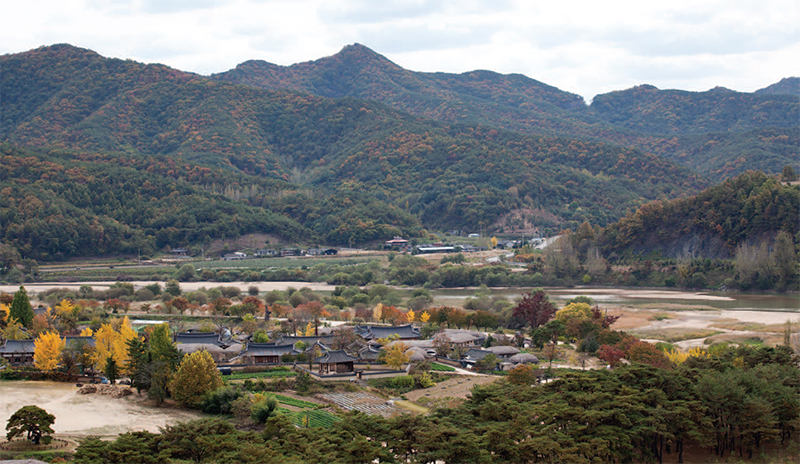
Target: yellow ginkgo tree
{"type": "Point", "coordinates": [309, 330]}
{"type": "Point", "coordinates": [110, 343]}
{"type": "Point", "coordinates": [47, 351]}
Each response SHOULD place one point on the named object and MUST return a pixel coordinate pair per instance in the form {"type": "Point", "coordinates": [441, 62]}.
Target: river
{"type": "Point", "coordinates": [629, 297]}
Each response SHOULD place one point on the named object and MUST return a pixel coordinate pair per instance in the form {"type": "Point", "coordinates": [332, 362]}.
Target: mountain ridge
{"type": "Point", "coordinates": [518, 103]}
{"type": "Point", "coordinates": [347, 168]}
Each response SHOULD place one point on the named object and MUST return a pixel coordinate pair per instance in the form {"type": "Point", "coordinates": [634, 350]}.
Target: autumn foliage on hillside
{"type": "Point", "coordinates": [124, 156]}
{"type": "Point", "coordinates": [745, 209]}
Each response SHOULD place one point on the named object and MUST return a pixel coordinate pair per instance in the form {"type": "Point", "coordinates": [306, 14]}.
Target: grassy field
{"type": "Point", "coordinates": [92, 271]}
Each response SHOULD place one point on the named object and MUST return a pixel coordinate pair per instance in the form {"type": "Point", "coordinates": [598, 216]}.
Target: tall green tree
{"type": "Point", "coordinates": [784, 258]}
{"type": "Point", "coordinates": [21, 309]}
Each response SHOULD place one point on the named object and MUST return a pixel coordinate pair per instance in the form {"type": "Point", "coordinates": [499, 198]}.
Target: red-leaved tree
{"type": "Point", "coordinates": [535, 309]}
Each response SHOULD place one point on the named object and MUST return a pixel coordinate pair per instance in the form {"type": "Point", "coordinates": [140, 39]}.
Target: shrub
{"type": "Point", "coordinates": [403, 383]}
{"type": "Point", "coordinates": [262, 410]}
{"type": "Point", "coordinates": [144, 294]}
{"type": "Point", "coordinates": [220, 401]}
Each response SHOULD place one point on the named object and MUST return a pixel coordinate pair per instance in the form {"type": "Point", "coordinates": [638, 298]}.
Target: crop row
{"type": "Point", "coordinates": [312, 418]}
{"type": "Point", "coordinates": [295, 402]}
{"type": "Point", "coordinates": [442, 368]}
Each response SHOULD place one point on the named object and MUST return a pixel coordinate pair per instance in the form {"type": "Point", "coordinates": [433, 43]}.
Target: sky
{"type": "Point", "coordinates": [584, 47]}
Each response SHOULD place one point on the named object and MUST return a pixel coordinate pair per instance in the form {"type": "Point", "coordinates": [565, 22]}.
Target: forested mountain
{"type": "Point", "coordinates": [57, 204]}
{"type": "Point", "coordinates": [647, 109]}
{"type": "Point", "coordinates": [668, 123]}
{"type": "Point", "coordinates": [786, 86]}
{"type": "Point", "coordinates": [749, 208]}
{"type": "Point", "coordinates": [335, 169]}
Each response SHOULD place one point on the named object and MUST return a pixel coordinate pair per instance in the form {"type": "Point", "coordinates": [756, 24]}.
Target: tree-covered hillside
{"type": "Point", "coordinates": [650, 110]}
{"type": "Point", "coordinates": [665, 122]}
{"type": "Point", "coordinates": [786, 86]}
{"type": "Point", "coordinates": [59, 204]}
{"type": "Point", "coordinates": [747, 209]}
{"type": "Point", "coordinates": [358, 169]}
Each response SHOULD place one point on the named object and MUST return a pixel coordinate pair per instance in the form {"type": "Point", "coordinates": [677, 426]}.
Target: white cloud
{"type": "Point", "coordinates": [587, 47]}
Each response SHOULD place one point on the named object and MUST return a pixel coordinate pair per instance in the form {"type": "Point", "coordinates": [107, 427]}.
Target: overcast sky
{"type": "Point", "coordinates": [585, 47]}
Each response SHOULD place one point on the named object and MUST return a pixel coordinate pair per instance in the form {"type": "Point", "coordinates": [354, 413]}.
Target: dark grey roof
{"type": "Point", "coordinates": [323, 347]}
{"type": "Point", "coordinates": [368, 352]}
{"type": "Point", "coordinates": [335, 357]}
{"type": "Point", "coordinates": [210, 338]}
{"type": "Point", "coordinates": [286, 339]}
{"type": "Point", "coordinates": [70, 340]}
{"type": "Point", "coordinates": [476, 354]}
{"type": "Point", "coordinates": [268, 349]}
{"type": "Point", "coordinates": [372, 332]}
{"type": "Point", "coordinates": [18, 346]}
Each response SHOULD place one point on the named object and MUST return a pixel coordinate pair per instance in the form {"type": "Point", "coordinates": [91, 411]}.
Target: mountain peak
{"type": "Point", "coordinates": [358, 54]}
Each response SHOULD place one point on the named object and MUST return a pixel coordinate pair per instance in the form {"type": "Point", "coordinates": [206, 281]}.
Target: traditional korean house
{"type": "Point", "coordinates": [326, 340]}
{"type": "Point", "coordinates": [335, 362]}
{"type": "Point", "coordinates": [18, 352]}
{"type": "Point", "coordinates": [266, 353]}
{"type": "Point", "coordinates": [374, 332]}
{"type": "Point", "coordinates": [524, 358]}
{"type": "Point", "coordinates": [464, 338]}
{"type": "Point", "coordinates": [221, 348]}
{"type": "Point", "coordinates": [368, 353]}
{"type": "Point", "coordinates": [202, 338]}
{"type": "Point", "coordinates": [503, 351]}
{"type": "Point", "coordinates": [472, 356]}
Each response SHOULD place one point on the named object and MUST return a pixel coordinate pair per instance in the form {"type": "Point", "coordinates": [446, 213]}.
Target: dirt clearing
{"type": "Point", "coordinates": [93, 414]}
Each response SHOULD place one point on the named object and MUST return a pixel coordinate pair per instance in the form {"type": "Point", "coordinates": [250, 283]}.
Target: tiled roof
{"type": "Point", "coordinates": [69, 340]}
{"type": "Point", "coordinates": [18, 346]}
{"type": "Point", "coordinates": [476, 354]}
{"type": "Point", "coordinates": [286, 339]}
{"type": "Point", "coordinates": [210, 338]}
{"type": "Point", "coordinates": [267, 349]}
{"type": "Point", "coordinates": [335, 357]}
{"type": "Point", "coordinates": [371, 332]}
